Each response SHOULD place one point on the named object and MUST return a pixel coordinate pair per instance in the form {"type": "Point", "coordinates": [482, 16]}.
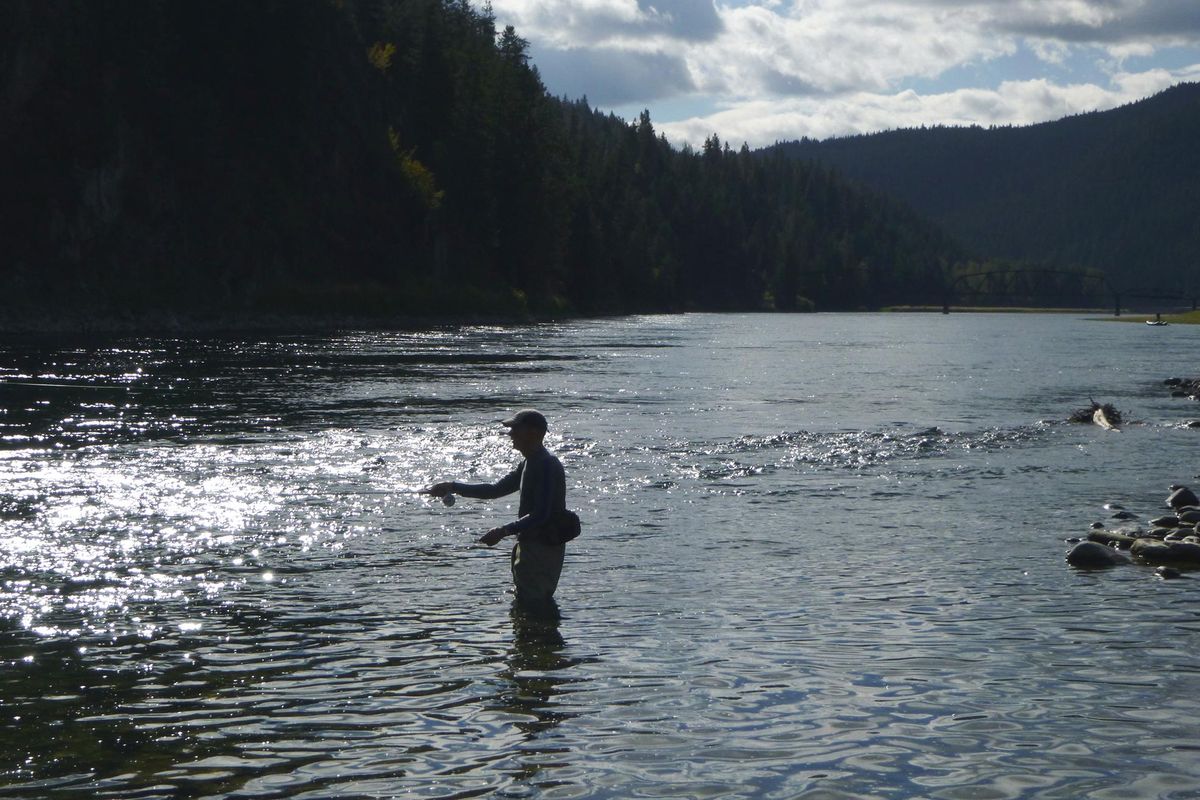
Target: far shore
{"type": "Point", "coordinates": [201, 324]}
{"type": "Point", "coordinates": [222, 324]}
{"type": "Point", "coordinates": [1183, 318]}
{"type": "Point", "coordinates": [992, 310]}
{"type": "Point", "coordinates": [1101, 314]}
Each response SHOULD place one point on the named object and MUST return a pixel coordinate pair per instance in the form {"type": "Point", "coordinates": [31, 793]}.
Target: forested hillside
{"type": "Point", "coordinates": [388, 157]}
{"type": "Point", "coordinates": [1116, 190]}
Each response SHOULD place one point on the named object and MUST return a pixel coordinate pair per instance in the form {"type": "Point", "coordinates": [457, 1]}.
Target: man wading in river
{"type": "Point", "coordinates": [543, 523]}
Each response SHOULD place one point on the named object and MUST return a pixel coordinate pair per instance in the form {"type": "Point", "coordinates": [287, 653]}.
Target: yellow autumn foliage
{"type": "Point", "coordinates": [419, 177]}
{"type": "Point", "coordinates": [380, 55]}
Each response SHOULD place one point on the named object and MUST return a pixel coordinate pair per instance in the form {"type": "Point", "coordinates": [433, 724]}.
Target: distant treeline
{"type": "Point", "coordinates": [390, 157]}
{"type": "Point", "coordinates": [1117, 191]}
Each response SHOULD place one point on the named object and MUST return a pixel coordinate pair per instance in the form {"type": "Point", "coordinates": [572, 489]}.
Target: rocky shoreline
{"type": "Point", "coordinates": [1170, 542]}
{"type": "Point", "coordinates": [202, 324]}
{"type": "Point", "coordinates": [1184, 387]}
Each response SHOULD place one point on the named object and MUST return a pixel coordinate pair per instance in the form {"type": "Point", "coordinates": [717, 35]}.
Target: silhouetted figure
{"type": "Point", "coordinates": [537, 557]}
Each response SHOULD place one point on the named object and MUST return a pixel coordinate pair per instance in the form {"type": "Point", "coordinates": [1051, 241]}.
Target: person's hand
{"type": "Point", "coordinates": [440, 489]}
{"type": "Point", "coordinates": [493, 536]}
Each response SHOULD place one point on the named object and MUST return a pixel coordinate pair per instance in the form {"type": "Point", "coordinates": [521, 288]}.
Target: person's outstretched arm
{"type": "Point", "coordinates": [482, 491]}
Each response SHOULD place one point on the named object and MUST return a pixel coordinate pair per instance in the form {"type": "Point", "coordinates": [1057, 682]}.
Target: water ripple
{"type": "Point", "coordinates": [216, 578]}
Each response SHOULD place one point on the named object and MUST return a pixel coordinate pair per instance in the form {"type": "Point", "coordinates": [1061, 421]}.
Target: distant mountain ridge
{"type": "Point", "coordinates": [1116, 190]}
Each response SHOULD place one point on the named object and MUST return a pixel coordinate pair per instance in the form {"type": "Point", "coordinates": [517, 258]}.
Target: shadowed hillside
{"type": "Point", "coordinates": [385, 158]}
{"type": "Point", "coordinates": [1117, 190]}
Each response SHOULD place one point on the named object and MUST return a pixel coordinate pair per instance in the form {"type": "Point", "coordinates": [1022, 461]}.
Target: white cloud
{"type": "Point", "coordinates": [785, 68]}
{"type": "Point", "coordinates": [766, 49]}
{"type": "Point", "coordinates": [822, 49]}
{"type": "Point", "coordinates": [1049, 50]}
{"type": "Point", "coordinates": [1143, 84]}
{"type": "Point", "coordinates": [1105, 21]}
{"type": "Point", "coordinates": [573, 24]}
{"type": "Point", "coordinates": [762, 122]}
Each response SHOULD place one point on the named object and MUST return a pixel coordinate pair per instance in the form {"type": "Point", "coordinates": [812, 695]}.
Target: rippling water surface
{"type": "Point", "coordinates": [822, 558]}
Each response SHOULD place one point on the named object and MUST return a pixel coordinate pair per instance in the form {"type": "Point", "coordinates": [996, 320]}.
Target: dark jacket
{"type": "Point", "coordinates": [543, 486]}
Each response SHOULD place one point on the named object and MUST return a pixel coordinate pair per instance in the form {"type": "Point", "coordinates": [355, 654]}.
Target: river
{"type": "Point", "coordinates": [822, 558]}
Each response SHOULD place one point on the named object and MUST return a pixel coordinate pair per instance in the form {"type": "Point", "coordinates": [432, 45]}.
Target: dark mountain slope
{"type": "Point", "coordinates": [1117, 190]}
{"type": "Point", "coordinates": [387, 157]}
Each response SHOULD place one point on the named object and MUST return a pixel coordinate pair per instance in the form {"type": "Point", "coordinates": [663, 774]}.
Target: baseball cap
{"type": "Point", "coordinates": [527, 416]}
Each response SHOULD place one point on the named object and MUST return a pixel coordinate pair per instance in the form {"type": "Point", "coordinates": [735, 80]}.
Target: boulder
{"type": "Point", "coordinates": [1165, 522]}
{"type": "Point", "coordinates": [1101, 418]}
{"type": "Point", "coordinates": [1182, 496]}
{"type": "Point", "coordinates": [1191, 516]}
{"type": "Point", "coordinates": [1106, 416]}
{"type": "Point", "coordinates": [1151, 550]}
{"type": "Point", "coordinates": [1124, 515]}
{"type": "Point", "coordinates": [1186, 551]}
{"type": "Point", "coordinates": [1167, 573]}
{"type": "Point", "coordinates": [1112, 539]}
{"type": "Point", "coordinates": [1094, 554]}
{"type": "Point", "coordinates": [1157, 552]}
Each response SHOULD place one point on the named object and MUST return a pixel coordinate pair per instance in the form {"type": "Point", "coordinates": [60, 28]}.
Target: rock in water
{"type": "Point", "coordinates": [1168, 572]}
{"type": "Point", "coordinates": [1186, 552]}
{"type": "Point", "coordinates": [1103, 420]}
{"type": "Point", "coordinates": [1157, 552]}
{"type": "Point", "coordinates": [1182, 496]}
{"type": "Point", "coordinates": [1092, 554]}
{"type": "Point", "coordinates": [1112, 539]}
{"type": "Point", "coordinates": [1152, 550]}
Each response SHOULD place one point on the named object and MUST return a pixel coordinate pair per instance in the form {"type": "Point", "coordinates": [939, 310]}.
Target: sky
{"type": "Point", "coordinates": [761, 71]}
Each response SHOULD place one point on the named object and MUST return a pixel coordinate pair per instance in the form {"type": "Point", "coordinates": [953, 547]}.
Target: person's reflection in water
{"type": "Point", "coordinates": [534, 668]}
